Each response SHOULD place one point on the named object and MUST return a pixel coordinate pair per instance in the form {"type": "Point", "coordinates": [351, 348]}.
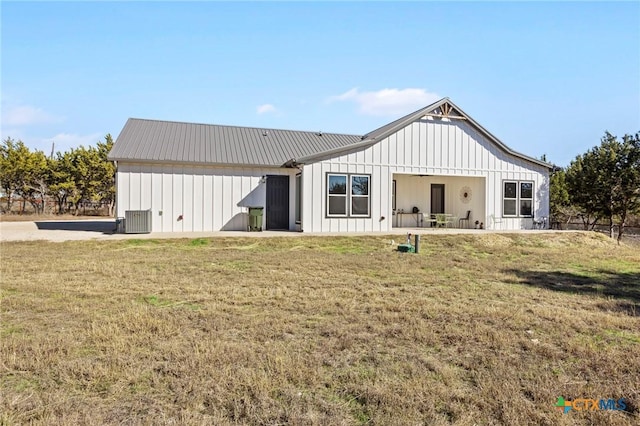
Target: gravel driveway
{"type": "Point", "coordinates": [102, 229]}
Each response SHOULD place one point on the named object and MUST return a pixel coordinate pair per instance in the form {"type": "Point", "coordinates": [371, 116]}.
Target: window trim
{"type": "Point", "coordinates": [348, 196]}
{"type": "Point", "coordinates": [518, 197]}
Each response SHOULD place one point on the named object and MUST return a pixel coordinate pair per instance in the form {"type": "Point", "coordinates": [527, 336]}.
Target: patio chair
{"type": "Point", "coordinates": [467, 218]}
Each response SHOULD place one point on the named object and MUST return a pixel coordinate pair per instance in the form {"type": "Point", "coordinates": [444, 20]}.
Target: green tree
{"type": "Point", "coordinates": [84, 172]}
{"type": "Point", "coordinates": [106, 189]}
{"type": "Point", "coordinates": [35, 179]}
{"type": "Point", "coordinates": [626, 183]}
{"type": "Point", "coordinates": [61, 183]}
{"type": "Point", "coordinates": [560, 205]}
{"type": "Point", "coordinates": [605, 181]}
{"type": "Point", "coordinates": [580, 178]}
{"type": "Point", "coordinates": [18, 167]}
{"type": "Point", "coordinates": [8, 174]}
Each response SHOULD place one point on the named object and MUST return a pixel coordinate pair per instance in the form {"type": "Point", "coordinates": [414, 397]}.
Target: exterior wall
{"type": "Point", "coordinates": [434, 147]}
{"type": "Point", "coordinates": [207, 198]}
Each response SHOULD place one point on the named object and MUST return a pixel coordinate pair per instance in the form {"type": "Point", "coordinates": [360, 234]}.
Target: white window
{"type": "Point", "coordinates": [510, 199]}
{"type": "Point", "coordinates": [359, 195]}
{"type": "Point", "coordinates": [336, 195]}
{"type": "Point", "coordinates": [526, 199]}
{"type": "Point", "coordinates": [351, 202]}
{"type": "Point", "coordinates": [517, 199]}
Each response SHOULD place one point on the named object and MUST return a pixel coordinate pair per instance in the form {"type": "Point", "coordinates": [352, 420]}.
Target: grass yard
{"type": "Point", "coordinates": [476, 329]}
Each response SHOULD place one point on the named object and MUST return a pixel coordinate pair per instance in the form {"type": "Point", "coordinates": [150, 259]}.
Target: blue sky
{"type": "Point", "coordinates": [545, 78]}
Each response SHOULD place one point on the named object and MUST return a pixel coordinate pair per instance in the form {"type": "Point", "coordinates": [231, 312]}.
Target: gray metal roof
{"type": "Point", "coordinates": [176, 142]}
{"type": "Point", "coordinates": [435, 108]}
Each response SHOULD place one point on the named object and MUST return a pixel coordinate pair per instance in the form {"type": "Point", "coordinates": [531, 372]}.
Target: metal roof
{"type": "Point", "coordinates": [176, 142]}
{"type": "Point", "coordinates": [435, 109]}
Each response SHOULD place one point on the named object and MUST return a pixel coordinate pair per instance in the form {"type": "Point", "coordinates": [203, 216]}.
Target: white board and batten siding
{"type": "Point", "coordinates": [184, 198]}
{"type": "Point", "coordinates": [434, 147]}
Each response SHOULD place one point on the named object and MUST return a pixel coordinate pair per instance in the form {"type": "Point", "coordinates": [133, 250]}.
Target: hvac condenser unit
{"type": "Point", "coordinates": [137, 221]}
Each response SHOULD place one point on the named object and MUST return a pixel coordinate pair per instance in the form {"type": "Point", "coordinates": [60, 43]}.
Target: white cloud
{"type": "Point", "coordinates": [266, 108]}
{"type": "Point", "coordinates": [387, 102]}
{"type": "Point", "coordinates": [25, 115]}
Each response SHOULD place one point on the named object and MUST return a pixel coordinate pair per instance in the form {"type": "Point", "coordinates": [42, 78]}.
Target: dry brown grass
{"type": "Point", "coordinates": [476, 329]}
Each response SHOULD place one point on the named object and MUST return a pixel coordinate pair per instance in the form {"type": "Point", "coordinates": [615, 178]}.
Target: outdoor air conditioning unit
{"type": "Point", "coordinates": [137, 221]}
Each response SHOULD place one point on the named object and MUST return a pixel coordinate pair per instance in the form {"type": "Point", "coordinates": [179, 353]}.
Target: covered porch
{"type": "Point", "coordinates": [423, 201]}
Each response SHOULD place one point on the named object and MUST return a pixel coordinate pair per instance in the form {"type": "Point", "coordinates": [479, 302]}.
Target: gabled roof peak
{"type": "Point", "coordinates": [442, 109]}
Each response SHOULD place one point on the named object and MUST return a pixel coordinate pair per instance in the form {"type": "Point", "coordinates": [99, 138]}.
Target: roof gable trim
{"type": "Point", "coordinates": [442, 109]}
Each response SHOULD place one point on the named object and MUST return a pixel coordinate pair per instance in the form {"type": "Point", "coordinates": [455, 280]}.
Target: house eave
{"type": "Point", "coordinates": [194, 163]}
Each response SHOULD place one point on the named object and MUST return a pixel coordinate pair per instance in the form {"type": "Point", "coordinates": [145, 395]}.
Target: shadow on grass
{"type": "Point", "coordinates": [622, 286]}
{"type": "Point", "coordinates": [104, 227]}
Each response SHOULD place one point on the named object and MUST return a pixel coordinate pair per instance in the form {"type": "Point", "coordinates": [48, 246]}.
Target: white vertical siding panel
{"type": "Point", "coordinates": [444, 147]}
{"type": "Point", "coordinates": [393, 149]}
{"type": "Point", "coordinates": [145, 187]}
{"type": "Point", "coordinates": [250, 184]}
{"type": "Point", "coordinates": [198, 201]}
{"type": "Point", "coordinates": [472, 152]}
{"type": "Point", "coordinates": [404, 140]}
{"type": "Point", "coordinates": [341, 225]}
{"type": "Point", "coordinates": [177, 205]}
{"type": "Point", "coordinates": [459, 154]}
{"type": "Point", "coordinates": [227, 202]}
{"type": "Point", "coordinates": [380, 198]}
{"type": "Point", "coordinates": [437, 145]}
{"type": "Point", "coordinates": [123, 191]}
{"type": "Point", "coordinates": [218, 201]}
{"type": "Point", "coordinates": [167, 198]}
{"type": "Point", "coordinates": [134, 188]}
{"type": "Point", "coordinates": [156, 198]}
{"type": "Point", "coordinates": [207, 201]}
{"type": "Point", "coordinates": [424, 148]}
{"type": "Point", "coordinates": [376, 157]}
{"type": "Point", "coordinates": [187, 199]}
{"type": "Point", "coordinates": [430, 144]}
{"type": "Point", "coordinates": [413, 136]}
{"type": "Point", "coordinates": [402, 157]}
{"type": "Point", "coordinates": [319, 200]}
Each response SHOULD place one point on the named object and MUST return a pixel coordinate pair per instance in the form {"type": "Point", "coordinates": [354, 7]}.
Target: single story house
{"type": "Point", "coordinates": [200, 177]}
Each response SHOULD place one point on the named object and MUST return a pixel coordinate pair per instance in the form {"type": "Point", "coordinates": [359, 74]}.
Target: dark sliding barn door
{"type": "Point", "coordinates": [277, 202]}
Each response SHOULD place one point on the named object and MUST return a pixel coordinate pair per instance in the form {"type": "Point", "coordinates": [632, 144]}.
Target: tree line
{"type": "Point", "coordinates": [71, 178]}
{"type": "Point", "coordinates": [601, 186]}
